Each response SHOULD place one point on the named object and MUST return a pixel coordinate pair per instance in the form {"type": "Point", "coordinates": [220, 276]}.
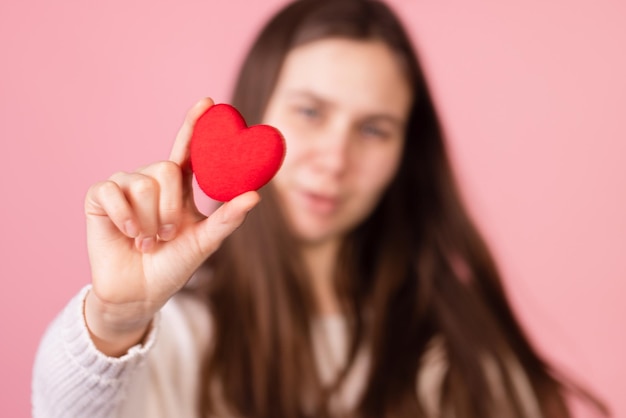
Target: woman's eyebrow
{"type": "Point", "coordinates": [305, 94]}
{"type": "Point", "coordinates": [385, 117]}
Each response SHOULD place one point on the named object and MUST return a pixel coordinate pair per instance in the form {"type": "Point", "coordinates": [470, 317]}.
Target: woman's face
{"type": "Point", "coordinates": [342, 106]}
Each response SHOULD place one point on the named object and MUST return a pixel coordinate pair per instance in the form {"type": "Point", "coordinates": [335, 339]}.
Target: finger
{"type": "Point", "coordinates": [180, 150]}
{"type": "Point", "coordinates": [170, 198]}
{"type": "Point", "coordinates": [180, 153]}
{"type": "Point", "coordinates": [107, 200]}
{"type": "Point", "coordinates": [142, 192]}
{"type": "Point", "coordinates": [209, 233]}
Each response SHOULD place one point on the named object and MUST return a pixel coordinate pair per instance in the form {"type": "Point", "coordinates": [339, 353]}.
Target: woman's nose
{"type": "Point", "coordinates": [334, 152]}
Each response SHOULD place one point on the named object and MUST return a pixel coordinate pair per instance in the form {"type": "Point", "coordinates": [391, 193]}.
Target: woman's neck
{"type": "Point", "coordinates": [321, 259]}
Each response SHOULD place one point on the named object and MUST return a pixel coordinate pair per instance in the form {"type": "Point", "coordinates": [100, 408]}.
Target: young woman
{"type": "Point", "coordinates": [358, 286]}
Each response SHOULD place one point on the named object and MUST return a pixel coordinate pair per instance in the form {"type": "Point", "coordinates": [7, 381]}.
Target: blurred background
{"type": "Point", "coordinates": [532, 95]}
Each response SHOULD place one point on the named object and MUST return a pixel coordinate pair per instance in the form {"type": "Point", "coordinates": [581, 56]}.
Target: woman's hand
{"type": "Point", "coordinates": [146, 238]}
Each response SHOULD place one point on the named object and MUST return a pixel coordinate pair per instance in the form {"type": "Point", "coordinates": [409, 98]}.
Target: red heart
{"type": "Point", "coordinates": [230, 158]}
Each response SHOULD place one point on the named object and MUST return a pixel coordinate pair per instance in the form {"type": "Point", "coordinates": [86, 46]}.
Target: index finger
{"type": "Point", "coordinates": [180, 150]}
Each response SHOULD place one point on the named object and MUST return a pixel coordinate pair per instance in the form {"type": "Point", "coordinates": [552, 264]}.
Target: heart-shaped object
{"type": "Point", "coordinates": [230, 158]}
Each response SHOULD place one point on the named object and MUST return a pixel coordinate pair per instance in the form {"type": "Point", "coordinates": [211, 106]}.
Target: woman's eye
{"type": "Point", "coordinates": [308, 112]}
{"type": "Point", "coordinates": [372, 131]}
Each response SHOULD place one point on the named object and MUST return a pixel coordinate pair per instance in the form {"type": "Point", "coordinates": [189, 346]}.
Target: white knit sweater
{"type": "Point", "coordinates": [159, 378]}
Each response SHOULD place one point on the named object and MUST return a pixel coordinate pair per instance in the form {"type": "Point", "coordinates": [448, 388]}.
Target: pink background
{"type": "Point", "coordinates": [533, 95]}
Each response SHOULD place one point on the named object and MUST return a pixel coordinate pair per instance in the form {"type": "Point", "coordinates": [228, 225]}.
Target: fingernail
{"type": "Point", "coordinates": [167, 232]}
{"type": "Point", "coordinates": [146, 244]}
{"type": "Point", "coordinates": [131, 229]}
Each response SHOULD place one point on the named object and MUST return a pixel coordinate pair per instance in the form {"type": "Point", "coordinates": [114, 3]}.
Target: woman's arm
{"type": "Point", "coordinates": [71, 378]}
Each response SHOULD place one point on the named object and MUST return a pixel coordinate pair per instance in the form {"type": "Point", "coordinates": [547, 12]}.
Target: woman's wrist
{"type": "Point", "coordinates": [113, 330]}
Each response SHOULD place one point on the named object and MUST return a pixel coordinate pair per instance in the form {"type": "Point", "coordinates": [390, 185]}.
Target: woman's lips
{"type": "Point", "coordinates": [319, 203]}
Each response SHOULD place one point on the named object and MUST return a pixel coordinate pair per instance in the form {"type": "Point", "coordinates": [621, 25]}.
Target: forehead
{"type": "Point", "coordinates": [364, 75]}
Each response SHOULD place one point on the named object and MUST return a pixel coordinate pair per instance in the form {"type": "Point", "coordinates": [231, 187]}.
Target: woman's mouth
{"type": "Point", "coordinates": [319, 203]}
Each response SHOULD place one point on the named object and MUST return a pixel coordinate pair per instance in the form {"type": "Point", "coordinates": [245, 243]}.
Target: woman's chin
{"type": "Point", "coordinates": [312, 235]}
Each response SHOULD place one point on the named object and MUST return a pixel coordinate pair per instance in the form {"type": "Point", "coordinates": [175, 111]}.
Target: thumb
{"type": "Point", "coordinates": [210, 232]}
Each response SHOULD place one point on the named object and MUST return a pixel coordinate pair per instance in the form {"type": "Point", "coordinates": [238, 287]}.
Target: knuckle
{"type": "Point", "coordinates": [100, 195]}
{"type": "Point", "coordinates": [118, 175]}
{"type": "Point", "coordinates": [143, 186]}
{"type": "Point", "coordinates": [208, 244]}
{"type": "Point", "coordinates": [167, 170]}
{"type": "Point", "coordinates": [220, 217]}
{"type": "Point", "coordinates": [91, 191]}
{"type": "Point", "coordinates": [102, 190]}
{"type": "Point", "coordinates": [108, 187]}
{"type": "Point", "coordinates": [170, 211]}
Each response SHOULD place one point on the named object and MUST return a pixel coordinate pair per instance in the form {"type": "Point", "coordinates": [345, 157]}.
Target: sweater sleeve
{"type": "Point", "coordinates": [72, 378]}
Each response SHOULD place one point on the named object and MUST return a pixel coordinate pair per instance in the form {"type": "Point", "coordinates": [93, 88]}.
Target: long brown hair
{"type": "Point", "coordinates": [415, 271]}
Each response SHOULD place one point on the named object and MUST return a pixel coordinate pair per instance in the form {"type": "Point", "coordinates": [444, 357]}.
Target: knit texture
{"type": "Point", "coordinates": [71, 377]}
